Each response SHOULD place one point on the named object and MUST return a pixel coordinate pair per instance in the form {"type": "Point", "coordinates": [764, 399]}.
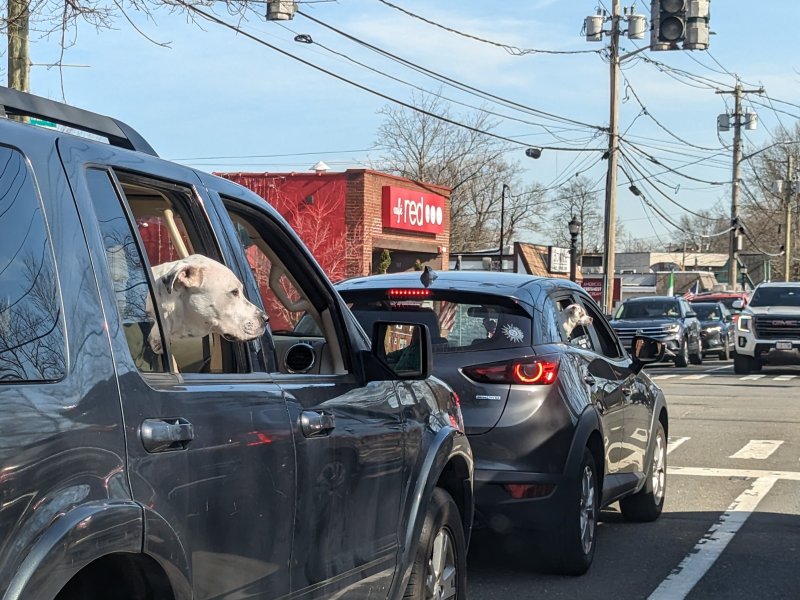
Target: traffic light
{"type": "Point", "coordinates": [671, 21]}
{"type": "Point", "coordinates": [679, 24]}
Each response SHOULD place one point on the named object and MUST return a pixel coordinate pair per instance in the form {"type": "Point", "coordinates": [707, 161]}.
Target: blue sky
{"type": "Point", "coordinates": [223, 102]}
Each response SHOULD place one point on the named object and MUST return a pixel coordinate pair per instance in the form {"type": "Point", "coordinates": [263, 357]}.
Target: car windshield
{"type": "Point", "coordinates": [648, 309]}
{"type": "Point", "coordinates": [776, 296]}
{"type": "Point", "coordinates": [457, 321]}
{"type": "Point", "coordinates": [707, 312]}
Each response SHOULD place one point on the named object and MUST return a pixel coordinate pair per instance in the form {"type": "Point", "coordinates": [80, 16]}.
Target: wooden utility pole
{"type": "Point", "coordinates": [733, 249]}
{"type": "Point", "coordinates": [610, 232]}
{"type": "Point", "coordinates": [18, 45]}
{"type": "Point", "coordinates": [787, 224]}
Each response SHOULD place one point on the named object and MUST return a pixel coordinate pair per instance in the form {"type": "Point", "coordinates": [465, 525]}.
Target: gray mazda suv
{"type": "Point", "coordinates": [561, 423]}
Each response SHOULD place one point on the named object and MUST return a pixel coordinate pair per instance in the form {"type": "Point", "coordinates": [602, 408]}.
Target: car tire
{"type": "Point", "coordinates": [742, 365]}
{"type": "Point", "coordinates": [682, 357]}
{"type": "Point", "coordinates": [440, 565]}
{"type": "Point", "coordinates": [575, 541]}
{"type": "Point", "coordinates": [646, 504]}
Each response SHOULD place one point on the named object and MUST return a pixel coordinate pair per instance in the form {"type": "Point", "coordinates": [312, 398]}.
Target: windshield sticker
{"type": "Point", "coordinates": [513, 333]}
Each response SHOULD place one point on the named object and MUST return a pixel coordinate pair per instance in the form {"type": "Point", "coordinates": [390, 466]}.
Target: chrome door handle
{"type": "Point", "coordinates": [589, 379]}
{"type": "Point", "coordinates": [165, 435]}
{"type": "Point", "coordinates": [316, 424]}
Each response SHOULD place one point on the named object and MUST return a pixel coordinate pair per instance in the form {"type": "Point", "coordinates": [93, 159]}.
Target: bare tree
{"type": "Point", "coordinates": [424, 148]}
{"type": "Point", "coordinates": [577, 198]}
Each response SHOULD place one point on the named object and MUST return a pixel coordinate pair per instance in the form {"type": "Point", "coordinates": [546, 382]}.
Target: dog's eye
{"type": "Point", "coordinates": [235, 293]}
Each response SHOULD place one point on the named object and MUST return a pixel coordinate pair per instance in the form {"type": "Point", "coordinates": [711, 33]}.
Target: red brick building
{"type": "Point", "coordinates": [347, 219]}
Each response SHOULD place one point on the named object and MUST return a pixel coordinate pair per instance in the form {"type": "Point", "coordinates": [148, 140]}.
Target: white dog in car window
{"type": "Point", "coordinates": [198, 296]}
{"type": "Point", "coordinates": [573, 316]}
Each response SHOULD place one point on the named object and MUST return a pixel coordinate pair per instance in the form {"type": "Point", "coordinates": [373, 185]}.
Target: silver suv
{"type": "Point", "coordinates": [768, 330]}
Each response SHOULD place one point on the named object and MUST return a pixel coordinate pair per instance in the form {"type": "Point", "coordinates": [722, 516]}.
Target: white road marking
{"type": "Point", "coordinates": [747, 473]}
{"type": "Point", "coordinates": [664, 376]}
{"type": "Point", "coordinates": [751, 377]}
{"type": "Point", "coordinates": [701, 376]}
{"type": "Point", "coordinates": [674, 442]}
{"type": "Point", "coordinates": [694, 566]}
{"type": "Point", "coordinates": [785, 377]}
{"type": "Point", "coordinates": [757, 449]}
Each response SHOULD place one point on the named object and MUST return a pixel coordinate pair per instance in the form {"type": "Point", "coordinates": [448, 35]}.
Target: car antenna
{"type": "Point", "coordinates": [428, 276]}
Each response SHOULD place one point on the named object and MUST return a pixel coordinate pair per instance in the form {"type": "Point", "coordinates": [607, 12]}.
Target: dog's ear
{"type": "Point", "coordinates": [189, 276]}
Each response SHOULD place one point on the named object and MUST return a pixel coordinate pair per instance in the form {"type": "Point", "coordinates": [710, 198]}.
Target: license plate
{"type": "Point", "coordinates": [783, 345]}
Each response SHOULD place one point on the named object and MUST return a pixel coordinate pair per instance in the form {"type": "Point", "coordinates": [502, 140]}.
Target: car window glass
{"type": "Point", "coordinates": [457, 321]}
{"type": "Point", "coordinates": [648, 309]}
{"type": "Point", "coordinates": [165, 227]}
{"type": "Point", "coordinates": [606, 338]}
{"type": "Point", "coordinates": [776, 296]}
{"type": "Point", "coordinates": [296, 317]}
{"type": "Point", "coordinates": [32, 340]}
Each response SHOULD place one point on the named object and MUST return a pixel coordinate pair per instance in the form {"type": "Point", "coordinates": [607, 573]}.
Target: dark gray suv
{"type": "Point", "coordinates": [561, 423]}
{"type": "Point", "coordinates": [282, 467]}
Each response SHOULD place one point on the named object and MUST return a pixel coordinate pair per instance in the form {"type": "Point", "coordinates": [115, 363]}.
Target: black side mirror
{"type": "Point", "coordinates": [403, 348]}
{"type": "Point", "coordinates": [646, 350]}
{"type": "Point", "coordinates": [691, 313]}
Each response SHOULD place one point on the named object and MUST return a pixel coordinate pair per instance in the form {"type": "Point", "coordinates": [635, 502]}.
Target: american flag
{"type": "Point", "coordinates": [447, 316]}
{"type": "Point", "coordinates": [693, 290]}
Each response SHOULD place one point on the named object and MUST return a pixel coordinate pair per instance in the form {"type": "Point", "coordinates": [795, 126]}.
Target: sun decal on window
{"type": "Point", "coordinates": [513, 333]}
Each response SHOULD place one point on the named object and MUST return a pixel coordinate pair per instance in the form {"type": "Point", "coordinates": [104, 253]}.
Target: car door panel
{"type": "Point", "coordinates": [226, 481]}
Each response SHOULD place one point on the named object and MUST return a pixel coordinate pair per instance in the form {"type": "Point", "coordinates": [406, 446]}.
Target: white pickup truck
{"type": "Point", "coordinates": [768, 330]}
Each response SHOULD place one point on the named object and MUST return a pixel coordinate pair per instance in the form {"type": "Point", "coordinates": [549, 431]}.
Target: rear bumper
{"type": "Point", "coordinates": [498, 511]}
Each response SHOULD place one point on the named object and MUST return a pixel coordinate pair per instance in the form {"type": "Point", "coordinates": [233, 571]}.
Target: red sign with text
{"type": "Point", "coordinates": [412, 210]}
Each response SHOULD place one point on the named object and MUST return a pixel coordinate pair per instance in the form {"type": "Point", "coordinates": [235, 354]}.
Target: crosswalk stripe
{"type": "Point", "coordinates": [664, 376]}
{"type": "Point", "coordinates": [785, 377]}
{"type": "Point", "coordinates": [751, 377]}
{"type": "Point", "coordinates": [674, 442]}
{"type": "Point", "coordinates": [757, 449]}
{"type": "Point", "coordinates": [696, 376]}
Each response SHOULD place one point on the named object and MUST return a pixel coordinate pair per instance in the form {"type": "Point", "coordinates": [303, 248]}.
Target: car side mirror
{"type": "Point", "coordinates": [691, 313]}
{"type": "Point", "coordinates": [646, 350]}
{"type": "Point", "coordinates": [738, 304]}
{"type": "Point", "coordinates": [403, 348]}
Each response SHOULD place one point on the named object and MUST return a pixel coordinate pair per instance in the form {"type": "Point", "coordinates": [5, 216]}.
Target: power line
{"type": "Point", "coordinates": [510, 49]}
{"type": "Point", "coordinates": [448, 80]}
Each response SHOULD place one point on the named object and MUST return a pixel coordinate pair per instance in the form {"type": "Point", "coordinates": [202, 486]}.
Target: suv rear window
{"type": "Point", "coordinates": [457, 321]}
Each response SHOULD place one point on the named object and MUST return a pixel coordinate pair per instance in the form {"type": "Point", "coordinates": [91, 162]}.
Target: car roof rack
{"type": "Point", "coordinates": [14, 102]}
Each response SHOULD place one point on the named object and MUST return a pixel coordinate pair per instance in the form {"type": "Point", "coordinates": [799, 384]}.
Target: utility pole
{"type": "Point", "coordinates": [610, 229]}
{"type": "Point", "coordinates": [735, 240]}
{"type": "Point", "coordinates": [787, 243]}
{"type": "Point", "coordinates": [18, 45]}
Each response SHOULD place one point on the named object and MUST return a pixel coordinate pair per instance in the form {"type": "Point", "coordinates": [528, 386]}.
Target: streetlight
{"type": "Point", "coordinates": [574, 230]}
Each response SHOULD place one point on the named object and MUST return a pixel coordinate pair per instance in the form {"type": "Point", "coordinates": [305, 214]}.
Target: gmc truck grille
{"type": "Point", "coordinates": [773, 327]}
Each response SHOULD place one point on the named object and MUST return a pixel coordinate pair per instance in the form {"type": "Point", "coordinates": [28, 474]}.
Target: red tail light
{"type": "Point", "coordinates": [526, 371]}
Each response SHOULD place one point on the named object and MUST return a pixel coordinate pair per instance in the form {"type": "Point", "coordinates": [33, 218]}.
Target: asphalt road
{"type": "Point", "coordinates": [731, 522]}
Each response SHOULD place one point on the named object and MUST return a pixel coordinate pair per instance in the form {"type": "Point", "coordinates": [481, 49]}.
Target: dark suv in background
{"type": "Point", "coordinates": [560, 424]}
{"type": "Point", "coordinates": [670, 319]}
{"type": "Point", "coordinates": [282, 467]}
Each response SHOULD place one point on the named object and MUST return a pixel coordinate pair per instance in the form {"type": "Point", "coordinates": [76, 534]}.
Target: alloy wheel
{"type": "Point", "coordinates": [440, 582]}
{"type": "Point", "coordinates": [587, 509]}
{"type": "Point", "coordinates": [658, 469]}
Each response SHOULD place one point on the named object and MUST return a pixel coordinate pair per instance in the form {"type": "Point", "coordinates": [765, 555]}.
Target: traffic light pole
{"type": "Point", "coordinates": [610, 232]}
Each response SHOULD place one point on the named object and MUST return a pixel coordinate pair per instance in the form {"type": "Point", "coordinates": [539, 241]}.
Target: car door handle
{"type": "Point", "coordinates": [626, 391]}
{"type": "Point", "coordinates": [590, 380]}
{"type": "Point", "coordinates": [165, 435]}
{"type": "Point", "coordinates": [316, 424]}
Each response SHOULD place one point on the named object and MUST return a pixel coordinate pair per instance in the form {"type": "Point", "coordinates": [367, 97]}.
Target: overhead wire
{"type": "Point", "coordinates": [213, 18]}
{"type": "Point", "coordinates": [508, 48]}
